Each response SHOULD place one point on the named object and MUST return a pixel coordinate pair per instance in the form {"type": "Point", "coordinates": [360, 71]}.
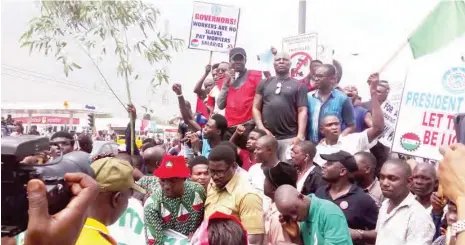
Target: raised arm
{"type": "Point", "coordinates": [377, 118]}
{"type": "Point", "coordinates": [198, 86]}
{"type": "Point", "coordinates": [185, 113]}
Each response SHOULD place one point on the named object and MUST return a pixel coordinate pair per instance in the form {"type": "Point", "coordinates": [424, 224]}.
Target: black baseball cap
{"type": "Point", "coordinates": [345, 158]}
{"type": "Point", "coordinates": [235, 51]}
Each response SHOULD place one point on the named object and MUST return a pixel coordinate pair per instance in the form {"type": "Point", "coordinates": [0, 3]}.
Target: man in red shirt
{"type": "Point", "coordinates": [237, 95]}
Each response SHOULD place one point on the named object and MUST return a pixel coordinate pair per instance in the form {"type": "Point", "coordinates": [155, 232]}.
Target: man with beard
{"type": "Point", "coordinates": [424, 182]}
{"type": "Point", "coordinates": [237, 94]}
{"type": "Point", "coordinates": [309, 174]}
{"type": "Point", "coordinates": [363, 118]}
{"type": "Point", "coordinates": [178, 204]}
{"type": "Point", "coordinates": [402, 220]}
{"type": "Point", "coordinates": [366, 178]}
{"type": "Point", "coordinates": [280, 106]}
{"type": "Point", "coordinates": [358, 207]}
{"type": "Point", "coordinates": [334, 140]}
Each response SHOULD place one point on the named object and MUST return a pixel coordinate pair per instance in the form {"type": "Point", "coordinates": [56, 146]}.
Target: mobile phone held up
{"type": "Point", "coordinates": [459, 122]}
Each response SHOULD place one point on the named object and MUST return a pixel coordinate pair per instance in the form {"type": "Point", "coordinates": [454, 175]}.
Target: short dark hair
{"type": "Point", "coordinates": [259, 131]}
{"type": "Point", "coordinates": [198, 160]}
{"type": "Point", "coordinates": [215, 66]}
{"type": "Point", "coordinates": [222, 153]}
{"type": "Point", "coordinates": [308, 147]}
{"type": "Point", "coordinates": [221, 123]}
{"type": "Point", "coordinates": [330, 68]}
{"type": "Point", "coordinates": [63, 134]}
{"type": "Point", "coordinates": [234, 148]}
{"type": "Point", "coordinates": [370, 157]}
{"type": "Point", "coordinates": [225, 232]}
{"type": "Point", "coordinates": [402, 164]}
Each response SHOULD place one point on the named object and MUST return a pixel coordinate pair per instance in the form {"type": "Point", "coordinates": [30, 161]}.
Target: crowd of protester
{"type": "Point", "coordinates": [264, 161]}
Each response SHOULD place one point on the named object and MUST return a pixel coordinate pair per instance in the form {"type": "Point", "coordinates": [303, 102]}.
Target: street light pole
{"type": "Point", "coordinates": [302, 15]}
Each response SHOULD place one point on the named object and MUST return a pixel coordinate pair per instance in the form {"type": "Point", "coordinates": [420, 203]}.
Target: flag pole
{"type": "Point", "coordinates": [405, 42]}
{"type": "Point", "coordinates": [210, 58]}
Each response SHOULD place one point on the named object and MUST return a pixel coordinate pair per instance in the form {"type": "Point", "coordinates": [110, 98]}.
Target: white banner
{"type": "Point", "coordinates": [390, 114]}
{"type": "Point", "coordinates": [434, 92]}
{"type": "Point", "coordinates": [214, 27]}
{"type": "Point", "coordinates": [303, 50]}
{"type": "Point", "coordinates": [129, 229]}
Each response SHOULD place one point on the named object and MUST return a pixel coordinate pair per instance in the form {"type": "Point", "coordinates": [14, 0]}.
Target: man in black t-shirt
{"type": "Point", "coordinates": [280, 106]}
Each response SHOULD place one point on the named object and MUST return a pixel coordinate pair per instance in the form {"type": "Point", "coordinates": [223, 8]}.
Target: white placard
{"type": "Point", "coordinates": [434, 92]}
{"type": "Point", "coordinates": [214, 27]}
{"type": "Point", "coordinates": [303, 50]}
{"type": "Point", "coordinates": [390, 114]}
{"type": "Point", "coordinates": [129, 229]}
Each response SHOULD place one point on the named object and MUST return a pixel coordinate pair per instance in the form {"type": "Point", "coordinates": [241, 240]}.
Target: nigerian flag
{"type": "Point", "coordinates": [445, 23]}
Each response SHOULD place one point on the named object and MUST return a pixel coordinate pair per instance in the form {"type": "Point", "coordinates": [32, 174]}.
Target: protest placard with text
{"type": "Point", "coordinates": [434, 92]}
{"type": "Point", "coordinates": [214, 27]}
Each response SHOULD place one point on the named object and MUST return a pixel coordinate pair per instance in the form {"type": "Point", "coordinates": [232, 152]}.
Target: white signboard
{"type": "Point", "coordinates": [303, 50]}
{"type": "Point", "coordinates": [434, 92]}
{"type": "Point", "coordinates": [214, 27]}
{"type": "Point", "coordinates": [390, 114]}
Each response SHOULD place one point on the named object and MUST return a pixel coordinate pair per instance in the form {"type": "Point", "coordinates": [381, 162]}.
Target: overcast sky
{"type": "Point", "coordinates": [371, 28]}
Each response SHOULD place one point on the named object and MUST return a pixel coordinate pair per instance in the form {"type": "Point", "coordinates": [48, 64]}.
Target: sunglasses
{"type": "Point", "coordinates": [278, 87]}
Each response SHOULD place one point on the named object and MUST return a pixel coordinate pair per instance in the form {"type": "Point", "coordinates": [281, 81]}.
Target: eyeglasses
{"type": "Point", "coordinates": [219, 173]}
{"type": "Point", "coordinates": [278, 87]}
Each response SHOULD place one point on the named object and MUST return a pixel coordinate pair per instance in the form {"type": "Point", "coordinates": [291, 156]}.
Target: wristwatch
{"type": "Point", "coordinates": [458, 227]}
{"type": "Point", "coordinates": [302, 138]}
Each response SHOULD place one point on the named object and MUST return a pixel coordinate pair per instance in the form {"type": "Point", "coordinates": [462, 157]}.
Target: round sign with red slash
{"type": "Point", "coordinates": [300, 65]}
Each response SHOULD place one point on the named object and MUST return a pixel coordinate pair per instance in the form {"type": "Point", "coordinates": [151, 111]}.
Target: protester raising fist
{"type": "Point", "coordinates": [177, 88]}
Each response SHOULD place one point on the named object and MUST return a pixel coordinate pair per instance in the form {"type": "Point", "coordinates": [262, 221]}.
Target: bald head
{"type": "Point", "coordinates": [152, 157]}
{"type": "Point", "coordinates": [282, 55]}
{"type": "Point", "coordinates": [286, 195]}
{"type": "Point", "coordinates": [291, 203]}
{"type": "Point", "coordinates": [268, 141]}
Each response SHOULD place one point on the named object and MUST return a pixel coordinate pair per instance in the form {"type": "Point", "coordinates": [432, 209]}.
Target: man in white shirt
{"type": "Point", "coordinates": [355, 142]}
{"type": "Point", "coordinates": [401, 220]}
{"type": "Point", "coordinates": [266, 153]}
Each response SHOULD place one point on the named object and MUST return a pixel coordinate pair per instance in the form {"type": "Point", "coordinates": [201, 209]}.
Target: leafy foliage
{"type": "Point", "coordinates": [92, 24]}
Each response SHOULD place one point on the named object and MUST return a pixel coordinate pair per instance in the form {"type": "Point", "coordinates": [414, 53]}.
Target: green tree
{"type": "Point", "coordinates": [98, 26]}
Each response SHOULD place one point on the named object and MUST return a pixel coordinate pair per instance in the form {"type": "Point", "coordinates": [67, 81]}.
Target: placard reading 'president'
{"type": "Point", "coordinates": [214, 27]}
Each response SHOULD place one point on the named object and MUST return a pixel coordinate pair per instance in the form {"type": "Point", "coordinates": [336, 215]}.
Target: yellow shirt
{"type": "Point", "coordinates": [95, 233]}
{"type": "Point", "coordinates": [237, 198]}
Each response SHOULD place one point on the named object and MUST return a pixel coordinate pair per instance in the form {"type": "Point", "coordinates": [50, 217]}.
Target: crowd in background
{"type": "Point", "coordinates": [263, 161]}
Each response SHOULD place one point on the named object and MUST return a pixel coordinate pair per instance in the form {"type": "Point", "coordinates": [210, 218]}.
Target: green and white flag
{"type": "Point", "coordinates": [445, 23]}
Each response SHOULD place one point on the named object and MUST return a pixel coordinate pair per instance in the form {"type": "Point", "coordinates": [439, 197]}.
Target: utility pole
{"type": "Point", "coordinates": [302, 15]}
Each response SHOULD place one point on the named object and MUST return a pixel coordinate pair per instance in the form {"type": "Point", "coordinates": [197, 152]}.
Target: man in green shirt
{"type": "Point", "coordinates": [321, 221]}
